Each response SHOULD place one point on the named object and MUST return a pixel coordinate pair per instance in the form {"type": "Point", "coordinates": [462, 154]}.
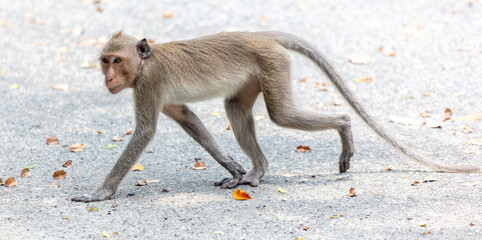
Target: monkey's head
{"type": "Point", "coordinates": [121, 59]}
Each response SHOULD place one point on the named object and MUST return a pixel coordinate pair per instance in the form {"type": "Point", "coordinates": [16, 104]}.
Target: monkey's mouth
{"type": "Point", "coordinates": [114, 89]}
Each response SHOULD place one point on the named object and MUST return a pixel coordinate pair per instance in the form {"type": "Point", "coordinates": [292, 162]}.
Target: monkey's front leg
{"type": "Point", "coordinates": [134, 149]}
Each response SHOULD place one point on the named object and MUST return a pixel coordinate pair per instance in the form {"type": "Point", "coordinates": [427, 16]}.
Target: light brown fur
{"type": "Point", "coordinates": [237, 66]}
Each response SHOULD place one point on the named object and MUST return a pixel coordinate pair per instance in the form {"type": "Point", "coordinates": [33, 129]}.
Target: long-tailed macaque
{"type": "Point", "coordinates": [237, 66]}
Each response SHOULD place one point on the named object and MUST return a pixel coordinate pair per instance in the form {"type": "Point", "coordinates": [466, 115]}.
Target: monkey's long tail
{"type": "Point", "coordinates": [300, 45]}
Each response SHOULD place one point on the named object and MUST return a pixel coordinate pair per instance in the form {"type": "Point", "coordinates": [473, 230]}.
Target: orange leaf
{"type": "Point", "coordinates": [241, 195]}
{"type": "Point", "coordinates": [229, 127]}
{"type": "Point", "coordinates": [52, 140]}
{"type": "Point", "coordinates": [320, 86]}
{"type": "Point", "coordinates": [303, 148]}
{"type": "Point", "coordinates": [168, 14]}
{"type": "Point", "coordinates": [137, 167]}
{"type": "Point", "coordinates": [416, 183]}
{"type": "Point", "coordinates": [352, 193]}
{"type": "Point", "coordinates": [25, 173]}
{"type": "Point", "coordinates": [388, 51]}
{"type": "Point", "coordinates": [199, 166]}
{"type": "Point", "coordinates": [61, 174]}
{"type": "Point", "coordinates": [368, 79]}
{"type": "Point", "coordinates": [67, 163]}
{"type": "Point", "coordinates": [303, 80]}
{"type": "Point", "coordinates": [10, 182]}
{"type": "Point", "coordinates": [390, 168]}
{"type": "Point", "coordinates": [448, 112]}
{"type": "Point", "coordinates": [128, 132]}
{"type": "Point", "coordinates": [1, 181]}
{"type": "Point", "coordinates": [77, 147]}
{"type": "Point", "coordinates": [336, 103]}
{"type": "Point", "coordinates": [424, 114]}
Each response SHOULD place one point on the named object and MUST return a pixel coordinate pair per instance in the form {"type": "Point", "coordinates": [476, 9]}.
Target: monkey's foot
{"type": "Point", "coordinates": [103, 195]}
{"type": "Point", "coordinates": [344, 163]}
{"type": "Point", "coordinates": [227, 182]}
{"type": "Point", "coordinates": [251, 179]}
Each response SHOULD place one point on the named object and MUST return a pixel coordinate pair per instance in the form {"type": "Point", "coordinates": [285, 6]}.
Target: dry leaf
{"type": "Point", "coordinates": [67, 163]}
{"type": "Point", "coordinates": [63, 49]}
{"type": "Point", "coordinates": [1, 182]}
{"type": "Point", "coordinates": [241, 195]}
{"type": "Point", "coordinates": [60, 174]}
{"type": "Point", "coordinates": [406, 121]}
{"type": "Point", "coordinates": [61, 87]}
{"type": "Point", "coordinates": [474, 117]}
{"type": "Point", "coordinates": [14, 86]}
{"type": "Point", "coordinates": [359, 58]}
{"type": "Point", "coordinates": [141, 183]}
{"type": "Point", "coordinates": [281, 190]}
{"type": "Point", "coordinates": [88, 65]}
{"type": "Point", "coordinates": [303, 80]}
{"type": "Point", "coordinates": [475, 142]}
{"type": "Point", "coordinates": [117, 138]}
{"type": "Point", "coordinates": [25, 173]}
{"type": "Point", "coordinates": [216, 113]}
{"type": "Point", "coordinates": [167, 14]}
{"type": "Point", "coordinates": [448, 119]}
{"type": "Point", "coordinates": [427, 232]}
{"type": "Point", "coordinates": [3, 22]}
{"type": "Point", "coordinates": [336, 216]}
{"type": "Point", "coordinates": [336, 103]}
{"type": "Point", "coordinates": [199, 166]}
{"type": "Point", "coordinates": [137, 167]}
{"type": "Point", "coordinates": [87, 42]}
{"type": "Point", "coordinates": [105, 234]}
{"type": "Point", "coordinates": [77, 147]}
{"type": "Point", "coordinates": [128, 132]}
{"type": "Point", "coordinates": [416, 183]}
{"type": "Point", "coordinates": [303, 148]}
{"type": "Point", "coordinates": [305, 228]}
{"type": "Point", "coordinates": [352, 193]}
{"type": "Point", "coordinates": [388, 51]}
{"type": "Point", "coordinates": [422, 225]}
{"type": "Point", "coordinates": [448, 112]}
{"type": "Point", "coordinates": [363, 79]}
{"type": "Point", "coordinates": [52, 140]}
{"type": "Point", "coordinates": [390, 168]}
{"type": "Point", "coordinates": [229, 128]}
{"type": "Point", "coordinates": [425, 114]}
{"type": "Point", "coordinates": [467, 129]}
{"type": "Point", "coordinates": [427, 94]}
{"type": "Point", "coordinates": [10, 182]}
{"type": "Point", "coordinates": [30, 16]}
{"type": "Point", "coordinates": [110, 146]}
{"type": "Point", "coordinates": [93, 209]}
{"type": "Point", "coordinates": [258, 118]}
{"type": "Point", "coordinates": [320, 86]}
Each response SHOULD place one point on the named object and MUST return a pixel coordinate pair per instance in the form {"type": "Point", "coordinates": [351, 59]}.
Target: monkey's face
{"type": "Point", "coordinates": [120, 70]}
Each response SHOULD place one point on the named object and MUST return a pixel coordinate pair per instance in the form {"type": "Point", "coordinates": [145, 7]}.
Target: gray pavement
{"type": "Point", "coordinates": [438, 48]}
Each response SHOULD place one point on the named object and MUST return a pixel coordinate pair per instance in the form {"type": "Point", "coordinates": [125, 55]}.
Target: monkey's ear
{"type": "Point", "coordinates": [143, 49]}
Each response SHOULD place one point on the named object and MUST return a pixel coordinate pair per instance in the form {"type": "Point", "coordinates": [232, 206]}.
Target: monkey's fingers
{"type": "Point", "coordinates": [227, 183]}
{"type": "Point", "coordinates": [344, 163]}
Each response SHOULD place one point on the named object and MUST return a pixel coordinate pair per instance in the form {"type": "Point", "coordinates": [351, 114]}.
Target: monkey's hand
{"type": "Point", "coordinates": [99, 195]}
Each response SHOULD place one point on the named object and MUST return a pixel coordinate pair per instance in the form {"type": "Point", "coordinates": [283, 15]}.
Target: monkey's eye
{"type": "Point", "coordinates": [117, 60]}
{"type": "Point", "coordinates": [105, 60]}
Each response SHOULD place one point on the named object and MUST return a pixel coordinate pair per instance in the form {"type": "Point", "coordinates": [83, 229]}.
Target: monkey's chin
{"type": "Point", "coordinates": [116, 89]}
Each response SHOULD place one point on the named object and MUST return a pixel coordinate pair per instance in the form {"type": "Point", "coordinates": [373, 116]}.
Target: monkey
{"type": "Point", "coordinates": [237, 66]}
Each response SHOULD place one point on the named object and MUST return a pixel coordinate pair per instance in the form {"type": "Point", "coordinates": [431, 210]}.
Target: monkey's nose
{"type": "Point", "coordinates": [110, 80]}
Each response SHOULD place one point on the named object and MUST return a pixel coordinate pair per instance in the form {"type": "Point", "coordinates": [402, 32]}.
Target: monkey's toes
{"type": "Point", "coordinates": [227, 183]}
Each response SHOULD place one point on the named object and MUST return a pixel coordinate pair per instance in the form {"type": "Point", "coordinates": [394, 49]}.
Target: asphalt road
{"type": "Point", "coordinates": [438, 48]}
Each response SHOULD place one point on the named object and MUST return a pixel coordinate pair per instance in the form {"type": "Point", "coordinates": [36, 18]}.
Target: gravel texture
{"type": "Point", "coordinates": [438, 47]}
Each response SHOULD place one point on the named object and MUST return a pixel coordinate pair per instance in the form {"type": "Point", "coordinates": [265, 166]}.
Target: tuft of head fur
{"type": "Point", "coordinates": [118, 41]}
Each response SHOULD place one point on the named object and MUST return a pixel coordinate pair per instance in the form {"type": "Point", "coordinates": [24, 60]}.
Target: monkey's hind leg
{"type": "Point", "coordinates": [276, 87]}
{"type": "Point", "coordinates": [194, 127]}
{"type": "Point", "coordinates": [238, 110]}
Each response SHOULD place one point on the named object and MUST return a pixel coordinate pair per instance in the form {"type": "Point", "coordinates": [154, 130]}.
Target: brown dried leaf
{"type": "Point", "coordinates": [363, 79]}
{"type": "Point", "coordinates": [336, 216]}
{"type": "Point", "coordinates": [305, 228]}
{"type": "Point", "coordinates": [167, 14]}
{"type": "Point", "coordinates": [448, 112]}
{"type": "Point", "coordinates": [427, 232]}
{"type": "Point", "coordinates": [416, 183]}
{"type": "Point", "coordinates": [140, 183]}
{"type": "Point", "coordinates": [60, 174]}
{"type": "Point", "coordinates": [137, 167]}
{"type": "Point", "coordinates": [427, 94]}
{"type": "Point", "coordinates": [128, 132]}
{"type": "Point", "coordinates": [390, 168]}
{"type": "Point", "coordinates": [448, 119]}
{"type": "Point", "coordinates": [473, 117]}
{"type": "Point", "coordinates": [352, 193]}
{"type": "Point", "coordinates": [467, 129]}
{"type": "Point", "coordinates": [388, 51]}
{"type": "Point", "coordinates": [303, 80]}
{"type": "Point", "coordinates": [336, 103]}
{"type": "Point", "coordinates": [241, 195]}
{"type": "Point", "coordinates": [117, 138]}
{"type": "Point", "coordinates": [425, 114]}
{"type": "Point", "coordinates": [229, 128]}
{"type": "Point", "coordinates": [1, 182]}
{"type": "Point", "coordinates": [61, 87]}
{"type": "Point", "coordinates": [358, 58]}
{"type": "Point", "coordinates": [10, 182]}
{"type": "Point", "coordinates": [320, 86]}
{"type": "Point", "coordinates": [77, 147]}
{"type": "Point", "coordinates": [25, 173]}
{"type": "Point", "coordinates": [303, 148]}
{"type": "Point", "coordinates": [199, 166]}
{"type": "Point", "coordinates": [67, 163]}
{"type": "Point", "coordinates": [52, 140]}
{"type": "Point", "coordinates": [87, 42]}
